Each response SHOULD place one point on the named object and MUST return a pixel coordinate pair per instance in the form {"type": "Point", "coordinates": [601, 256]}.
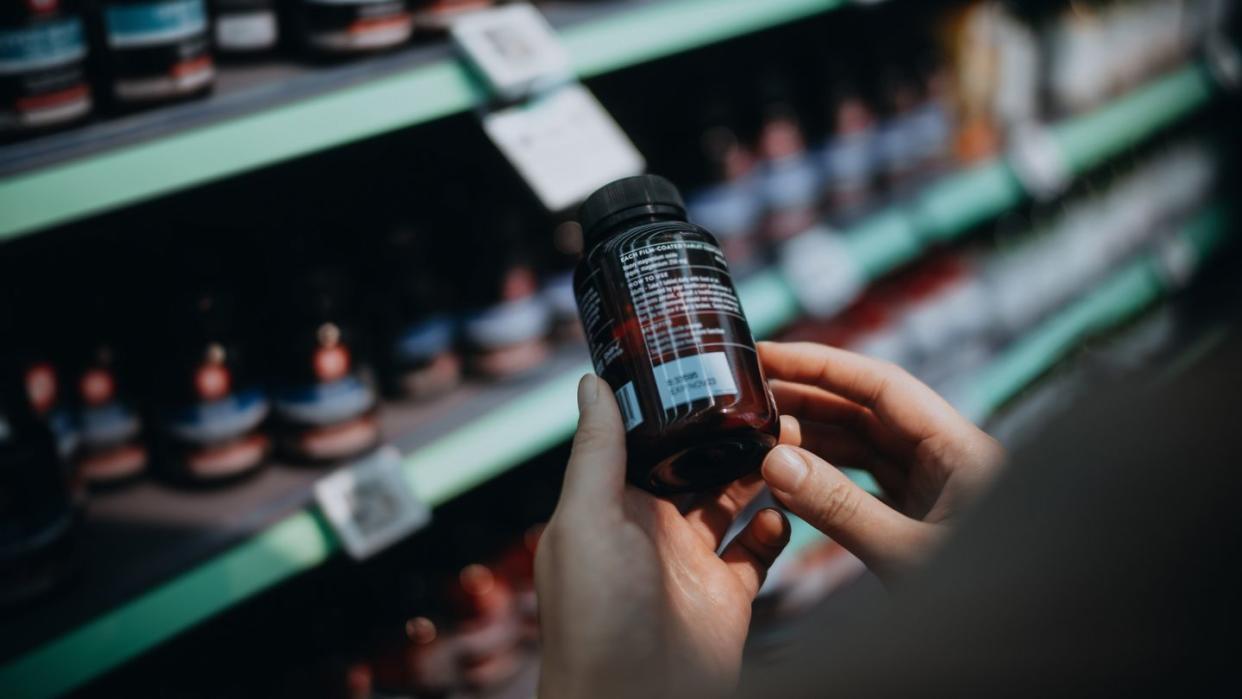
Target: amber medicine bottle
{"type": "Point", "coordinates": [667, 331]}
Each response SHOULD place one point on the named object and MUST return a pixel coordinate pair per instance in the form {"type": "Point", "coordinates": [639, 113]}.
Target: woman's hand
{"type": "Point", "coordinates": [844, 409]}
{"type": "Point", "coordinates": [633, 598]}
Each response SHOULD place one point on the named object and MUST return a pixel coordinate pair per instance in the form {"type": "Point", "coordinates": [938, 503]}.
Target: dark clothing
{"type": "Point", "coordinates": [1104, 562]}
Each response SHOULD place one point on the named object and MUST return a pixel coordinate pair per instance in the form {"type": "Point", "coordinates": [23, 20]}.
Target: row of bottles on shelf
{"type": "Point", "coordinates": [945, 316]}
{"type": "Point", "coordinates": [142, 52]}
{"type": "Point", "coordinates": [208, 381]}
{"type": "Point", "coordinates": [768, 157]}
{"type": "Point", "coordinates": [1050, 60]}
{"type": "Point", "coordinates": [59, 57]}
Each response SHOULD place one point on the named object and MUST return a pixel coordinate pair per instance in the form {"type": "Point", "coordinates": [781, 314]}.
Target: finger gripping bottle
{"type": "Point", "coordinates": [667, 332]}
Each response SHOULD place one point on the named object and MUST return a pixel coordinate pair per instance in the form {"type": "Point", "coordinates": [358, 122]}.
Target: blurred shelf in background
{"type": "Point", "coordinates": [271, 112]}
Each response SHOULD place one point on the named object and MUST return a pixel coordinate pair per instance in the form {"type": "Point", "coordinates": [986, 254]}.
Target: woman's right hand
{"type": "Point", "coordinates": [841, 409]}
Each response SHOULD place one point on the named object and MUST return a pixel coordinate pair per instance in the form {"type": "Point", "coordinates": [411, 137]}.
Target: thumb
{"type": "Point", "coordinates": [595, 476]}
{"type": "Point", "coordinates": [884, 539]}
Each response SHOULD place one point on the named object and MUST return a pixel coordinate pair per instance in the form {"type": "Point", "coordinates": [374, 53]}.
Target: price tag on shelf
{"type": "Point", "coordinates": [1177, 260]}
{"type": "Point", "coordinates": [821, 271]}
{"type": "Point", "coordinates": [564, 144]}
{"type": "Point", "coordinates": [1038, 162]}
{"type": "Point", "coordinates": [370, 504]}
{"type": "Point", "coordinates": [1224, 62]}
{"type": "Point", "coordinates": [557, 136]}
{"type": "Point", "coordinates": [513, 48]}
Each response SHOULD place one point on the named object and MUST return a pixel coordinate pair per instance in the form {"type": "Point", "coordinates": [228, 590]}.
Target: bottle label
{"type": "Point", "coordinates": [217, 421]}
{"type": "Point", "coordinates": [678, 288]}
{"type": "Point", "coordinates": [686, 380]}
{"type": "Point", "coordinates": [43, 97]}
{"type": "Point", "coordinates": [355, 25]}
{"type": "Point", "coordinates": [109, 424]}
{"type": "Point", "coordinates": [510, 323]}
{"type": "Point", "coordinates": [154, 23]}
{"type": "Point", "coordinates": [424, 341]}
{"type": "Point", "coordinates": [631, 411]}
{"type": "Point", "coordinates": [40, 46]}
{"type": "Point", "coordinates": [246, 31]}
{"type": "Point", "coordinates": [325, 403]}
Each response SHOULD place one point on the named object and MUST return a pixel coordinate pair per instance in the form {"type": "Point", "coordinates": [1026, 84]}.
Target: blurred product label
{"type": "Point", "coordinates": [560, 139]}
{"type": "Point", "coordinates": [151, 24]}
{"type": "Point", "coordinates": [564, 144]}
{"type": "Point", "coordinates": [822, 272]}
{"type": "Point", "coordinates": [246, 26]}
{"type": "Point", "coordinates": [513, 48]}
{"type": "Point", "coordinates": [1038, 162]}
{"type": "Point", "coordinates": [370, 505]}
{"type": "Point", "coordinates": [41, 46]}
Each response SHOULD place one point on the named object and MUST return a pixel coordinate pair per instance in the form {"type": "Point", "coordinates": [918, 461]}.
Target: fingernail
{"type": "Point", "coordinates": [784, 469]}
{"type": "Point", "coordinates": [588, 390]}
{"type": "Point", "coordinates": [773, 536]}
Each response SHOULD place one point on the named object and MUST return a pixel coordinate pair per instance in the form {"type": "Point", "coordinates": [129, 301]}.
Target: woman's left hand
{"type": "Point", "coordinates": [633, 598]}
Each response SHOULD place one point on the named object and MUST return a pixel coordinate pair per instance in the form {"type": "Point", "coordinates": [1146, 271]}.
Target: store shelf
{"type": "Point", "coordinates": [452, 450]}
{"type": "Point", "coordinates": [310, 111]}
{"type": "Point", "coordinates": [953, 206]}
{"type": "Point", "coordinates": [1120, 297]}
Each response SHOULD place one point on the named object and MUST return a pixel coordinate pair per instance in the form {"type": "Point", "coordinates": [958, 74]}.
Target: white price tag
{"type": "Point", "coordinates": [1178, 261]}
{"type": "Point", "coordinates": [370, 505]}
{"type": "Point", "coordinates": [1224, 61]}
{"type": "Point", "coordinates": [514, 49]}
{"type": "Point", "coordinates": [1038, 162]}
{"type": "Point", "coordinates": [564, 144]}
{"type": "Point", "coordinates": [821, 271]}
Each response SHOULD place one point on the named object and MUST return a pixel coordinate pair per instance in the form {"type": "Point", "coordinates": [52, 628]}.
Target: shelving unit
{"type": "Point", "coordinates": [494, 429]}
{"type": "Point", "coordinates": [1125, 294]}
{"type": "Point", "coordinates": [255, 121]}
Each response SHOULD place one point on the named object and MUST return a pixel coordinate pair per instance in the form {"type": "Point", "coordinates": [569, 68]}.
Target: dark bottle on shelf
{"type": "Point", "coordinates": [667, 331]}
{"type": "Point", "coordinates": [43, 52]}
{"type": "Point", "coordinates": [849, 156]}
{"type": "Point", "coordinates": [361, 26]}
{"type": "Point", "coordinates": [245, 27]}
{"type": "Point", "coordinates": [506, 322]}
{"type": "Point", "coordinates": [155, 50]}
{"type": "Point", "coordinates": [561, 251]}
{"type": "Point", "coordinates": [37, 514]}
{"type": "Point", "coordinates": [209, 411]}
{"type": "Point", "coordinates": [44, 320]}
{"type": "Point", "coordinates": [789, 178]}
{"type": "Point", "coordinates": [729, 201]}
{"type": "Point", "coordinates": [111, 450]}
{"type": "Point", "coordinates": [898, 139]}
{"type": "Point", "coordinates": [415, 330]}
{"type": "Point", "coordinates": [323, 404]}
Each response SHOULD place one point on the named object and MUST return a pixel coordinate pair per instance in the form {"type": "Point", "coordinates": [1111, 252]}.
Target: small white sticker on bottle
{"type": "Point", "coordinates": [631, 411]}
{"type": "Point", "coordinates": [688, 379]}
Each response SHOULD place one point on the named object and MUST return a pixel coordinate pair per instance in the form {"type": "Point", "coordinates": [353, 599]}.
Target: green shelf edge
{"type": "Point", "coordinates": [1090, 140]}
{"type": "Point", "coordinates": [59, 194]}
{"type": "Point", "coordinates": [477, 452]}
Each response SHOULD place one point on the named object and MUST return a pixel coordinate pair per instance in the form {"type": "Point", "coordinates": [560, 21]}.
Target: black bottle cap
{"type": "Point", "coordinates": [628, 198]}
